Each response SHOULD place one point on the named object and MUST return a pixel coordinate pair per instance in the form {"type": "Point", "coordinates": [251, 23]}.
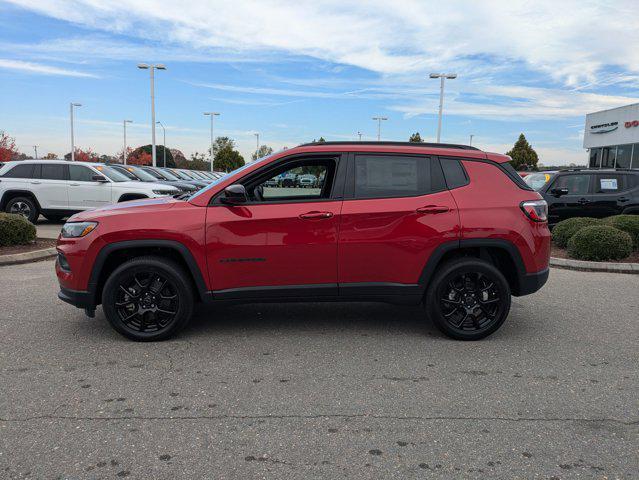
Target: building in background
{"type": "Point", "coordinates": [612, 137]}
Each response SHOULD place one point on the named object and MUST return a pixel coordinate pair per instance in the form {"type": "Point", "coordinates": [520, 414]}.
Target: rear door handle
{"type": "Point", "coordinates": [74, 184]}
{"type": "Point", "coordinates": [624, 199]}
{"type": "Point", "coordinates": [432, 209]}
{"type": "Point", "coordinates": [315, 215]}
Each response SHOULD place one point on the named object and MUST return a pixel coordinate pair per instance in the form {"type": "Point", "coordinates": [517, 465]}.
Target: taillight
{"type": "Point", "coordinates": [536, 210]}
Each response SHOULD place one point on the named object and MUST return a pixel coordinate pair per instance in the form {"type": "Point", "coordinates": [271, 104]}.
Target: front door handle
{"type": "Point", "coordinates": [432, 209]}
{"type": "Point", "coordinates": [74, 184]}
{"type": "Point", "coordinates": [315, 215]}
{"type": "Point", "coordinates": [36, 183]}
{"type": "Point", "coordinates": [583, 201]}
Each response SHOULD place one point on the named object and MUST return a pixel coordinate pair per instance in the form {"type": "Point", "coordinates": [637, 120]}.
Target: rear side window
{"type": "Point", "coordinates": [610, 183]}
{"type": "Point", "coordinates": [382, 176]}
{"type": "Point", "coordinates": [53, 172]}
{"type": "Point", "coordinates": [20, 171]}
{"type": "Point", "coordinates": [454, 173]}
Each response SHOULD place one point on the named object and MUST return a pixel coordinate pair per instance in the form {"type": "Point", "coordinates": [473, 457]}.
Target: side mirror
{"type": "Point", "coordinates": [558, 192]}
{"type": "Point", "coordinates": [234, 195]}
{"type": "Point", "coordinates": [99, 178]}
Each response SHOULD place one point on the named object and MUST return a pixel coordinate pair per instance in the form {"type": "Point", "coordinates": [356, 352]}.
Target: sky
{"type": "Point", "coordinates": [297, 71]}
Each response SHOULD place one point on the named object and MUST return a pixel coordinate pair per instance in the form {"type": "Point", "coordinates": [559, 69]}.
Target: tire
{"type": "Point", "coordinates": [24, 206]}
{"type": "Point", "coordinates": [461, 301]}
{"type": "Point", "coordinates": [143, 276]}
{"type": "Point", "coordinates": [54, 218]}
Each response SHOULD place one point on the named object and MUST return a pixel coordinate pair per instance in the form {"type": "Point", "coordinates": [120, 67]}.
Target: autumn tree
{"type": "Point", "coordinates": [179, 158]}
{"type": "Point", "coordinates": [159, 155]}
{"type": "Point", "coordinates": [80, 155]}
{"type": "Point", "coordinates": [8, 148]}
{"type": "Point", "coordinates": [263, 151]}
{"type": "Point", "coordinates": [50, 156]}
{"type": "Point", "coordinates": [415, 138]}
{"type": "Point", "coordinates": [140, 157]}
{"type": "Point", "coordinates": [523, 155]}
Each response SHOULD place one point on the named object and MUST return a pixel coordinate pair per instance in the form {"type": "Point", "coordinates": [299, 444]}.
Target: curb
{"type": "Point", "coordinates": [27, 256]}
{"type": "Point", "coordinates": [585, 266]}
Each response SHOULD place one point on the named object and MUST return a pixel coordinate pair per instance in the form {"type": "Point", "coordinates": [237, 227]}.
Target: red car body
{"type": "Point", "coordinates": [338, 248]}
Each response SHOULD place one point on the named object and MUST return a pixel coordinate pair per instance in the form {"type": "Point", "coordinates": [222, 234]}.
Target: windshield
{"type": "Point", "coordinates": [197, 175]}
{"type": "Point", "coordinates": [168, 174]}
{"type": "Point", "coordinates": [179, 174]}
{"type": "Point", "coordinates": [141, 174]}
{"type": "Point", "coordinates": [537, 180]}
{"type": "Point", "coordinates": [112, 174]}
{"type": "Point", "coordinates": [230, 174]}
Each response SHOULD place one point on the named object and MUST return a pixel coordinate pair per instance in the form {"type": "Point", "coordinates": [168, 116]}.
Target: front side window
{"type": "Point", "coordinates": [576, 184]}
{"type": "Point", "coordinates": [20, 171]}
{"type": "Point", "coordinates": [308, 179]}
{"type": "Point", "coordinates": [79, 173]}
{"type": "Point", "coordinates": [381, 176]}
{"type": "Point", "coordinates": [53, 172]}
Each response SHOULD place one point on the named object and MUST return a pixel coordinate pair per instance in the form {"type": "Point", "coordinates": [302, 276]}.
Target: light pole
{"type": "Point", "coordinates": [212, 115]}
{"type": "Point", "coordinates": [152, 68]}
{"type": "Point", "coordinates": [257, 150]}
{"type": "Point", "coordinates": [359, 134]}
{"type": "Point", "coordinates": [163, 143]}
{"type": "Point", "coordinates": [35, 148]}
{"type": "Point", "coordinates": [442, 77]}
{"type": "Point", "coordinates": [471, 140]}
{"type": "Point", "coordinates": [124, 155]}
{"type": "Point", "coordinates": [71, 105]}
{"type": "Point", "coordinates": [379, 126]}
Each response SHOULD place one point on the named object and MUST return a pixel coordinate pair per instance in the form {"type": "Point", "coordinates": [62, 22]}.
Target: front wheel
{"type": "Point", "coordinates": [148, 298]}
{"type": "Point", "coordinates": [24, 206]}
{"type": "Point", "coordinates": [468, 299]}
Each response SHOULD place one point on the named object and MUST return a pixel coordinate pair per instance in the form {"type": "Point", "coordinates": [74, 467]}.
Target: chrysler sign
{"type": "Point", "coordinates": [604, 127]}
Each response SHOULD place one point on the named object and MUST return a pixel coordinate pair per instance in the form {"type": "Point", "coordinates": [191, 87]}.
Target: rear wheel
{"type": "Point", "coordinates": [148, 298]}
{"type": "Point", "coordinates": [468, 299]}
{"type": "Point", "coordinates": [24, 206]}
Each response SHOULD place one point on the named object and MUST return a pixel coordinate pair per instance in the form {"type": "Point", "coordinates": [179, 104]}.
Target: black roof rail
{"type": "Point", "coordinates": [574, 169]}
{"type": "Point", "coordinates": [400, 144]}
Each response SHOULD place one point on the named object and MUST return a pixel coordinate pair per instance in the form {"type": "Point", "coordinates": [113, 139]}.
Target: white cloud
{"type": "Point", "coordinates": [41, 69]}
{"type": "Point", "coordinates": [570, 41]}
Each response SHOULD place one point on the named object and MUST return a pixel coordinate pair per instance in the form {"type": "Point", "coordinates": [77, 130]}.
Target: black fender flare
{"type": "Point", "coordinates": [110, 248]}
{"type": "Point", "coordinates": [27, 193]}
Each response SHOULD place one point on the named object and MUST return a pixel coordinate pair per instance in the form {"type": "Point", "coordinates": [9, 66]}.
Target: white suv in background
{"type": "Point", "coordinates": [57, 189]}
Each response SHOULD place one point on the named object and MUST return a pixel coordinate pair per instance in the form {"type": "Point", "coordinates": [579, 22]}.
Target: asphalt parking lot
{"type": "Point", "coordinates": [322, 390]}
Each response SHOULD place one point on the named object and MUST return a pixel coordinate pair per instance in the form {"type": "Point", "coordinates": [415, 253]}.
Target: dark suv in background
{"type": "Point", "coordinates": [587, 193]}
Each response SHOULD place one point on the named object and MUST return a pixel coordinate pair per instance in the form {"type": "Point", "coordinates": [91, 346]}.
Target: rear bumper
{"type": "Point", "coordinates": [76, 298]}
{"type": "Point", "coordinates": [531, 282]}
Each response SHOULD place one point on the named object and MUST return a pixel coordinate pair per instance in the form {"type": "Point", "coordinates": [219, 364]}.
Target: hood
{"type": "Point", "coordinates": [146, 185]}
{"type": "Point", "coordinates": [124, 208]}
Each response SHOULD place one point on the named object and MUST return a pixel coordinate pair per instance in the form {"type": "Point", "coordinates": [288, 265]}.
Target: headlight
{"type": "Point", "coordinates": [77, 229]}
{"type": "Point", "coordinates": [165, 192]}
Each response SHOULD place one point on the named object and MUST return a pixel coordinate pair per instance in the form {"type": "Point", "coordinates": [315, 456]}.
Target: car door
{"type": "Point", "coordinates": [84, 192]}
{"type": "Point", "coordinates": [575, 203]}
{"type": "Point", "coordinates": [396, 211]}
{"type": "Point", "coordinates": [52, 185]}
{"type": "Point", "coordinates": [610, 194]}
{"type": "Point", "coordinates": [283, 240]}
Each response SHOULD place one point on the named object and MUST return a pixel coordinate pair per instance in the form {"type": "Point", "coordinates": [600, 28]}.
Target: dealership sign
{"type": "Point", "coordinates": [604, 127]}
{"type": "Point", "coordinates": [633, 123]}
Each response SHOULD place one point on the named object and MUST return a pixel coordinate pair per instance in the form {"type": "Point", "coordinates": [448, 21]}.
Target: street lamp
{"type": "Point", "coordinates": [35, 148]}
{"type": "Point", "coordinates": [212, 115]}
{"type": "Point", "coordinates": [124, 155]}
{"type": "Point", "coordinates": [379, 126]}
{"type": "Point", "coordinates": [471, 140]}
{"type": "Point", "coordinates": [257, 151]}
{"type": "Point", "coordinates": [163, 143]}
{"type": "Point", "coordinates": [359, 134]}
{"type": "Point", "coordinates": [71, 105]}
{"type": "Point", "coordinates": [442, 77]}
{"type": "Point", "coordinates": [152, 68]}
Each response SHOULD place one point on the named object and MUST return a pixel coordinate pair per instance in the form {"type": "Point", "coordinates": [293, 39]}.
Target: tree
{"type": "Point", "coordinates": [50, 156]}
{"type": "Point", "coordinates": [140, 157]}
{"type": "Point", "coordinates": [120, 158]}
{"type": "Point", "coordinates": [415, 138]}
{"type": "Point", "coordinates": [198, 162]}
{"type": "Point", "coordinates": [321, 140]}
{"type": "Point", "coordinates": [179, 158]}
{"type": "Point", "coordinates": [263, 151]}
{"type": "Point", "coordinates": [219, 144]}
{"type": "Point", "coordinates": [523, 155]}
{"type": "Point", "coordinates": [7, 147]}
{"type": "Point", "coordinates": [227, 159]}
{"type": "Point", "coordinates": [80, 155]}
{"type": "Point", "coordinates": [159, 155]}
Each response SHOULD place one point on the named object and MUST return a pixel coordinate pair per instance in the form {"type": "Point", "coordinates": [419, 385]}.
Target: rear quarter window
{"type": "Point", "coordinates": [20, 171]}
{"type": "Point", "coordinates": [511, 173]}
{"type": "Point", "coordinates": [454, 173]}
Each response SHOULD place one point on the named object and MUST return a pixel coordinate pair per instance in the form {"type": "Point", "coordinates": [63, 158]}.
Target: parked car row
{"type": "Point", "coordinates": [294, 180]}
{"type": "Point", "coordinates": [57, 189]}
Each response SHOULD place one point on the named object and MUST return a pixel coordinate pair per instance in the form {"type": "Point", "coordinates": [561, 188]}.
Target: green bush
{"type": "Point", "coordinates": [600, 242]}
{"type": "Point", "coordinates": [565, 229]}
{"type": "Point", "coordinates": [627, 223]}
{"type": "Point", "coordinates": [15, 230]}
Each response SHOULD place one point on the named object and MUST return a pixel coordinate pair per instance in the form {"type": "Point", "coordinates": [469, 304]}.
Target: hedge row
{"type": "Point", "coordinates": [612, 238]}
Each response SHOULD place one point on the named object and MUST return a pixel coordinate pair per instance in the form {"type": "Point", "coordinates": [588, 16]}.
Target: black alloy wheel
{"type": "Point", "coordinates": [23, 206]}
{"type": "Point", "coordinates": [148, 298]}
{"type": "Point", "coordinates": [468, 299]}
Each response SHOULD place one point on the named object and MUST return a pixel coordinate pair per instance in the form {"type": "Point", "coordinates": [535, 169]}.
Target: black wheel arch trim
{"type": "Point", "coordinates": [10, 193]}
{"type": "Point", "coordinates": [110, 248]}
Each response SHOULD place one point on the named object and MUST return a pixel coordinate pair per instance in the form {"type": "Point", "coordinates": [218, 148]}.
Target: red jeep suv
{"type": "Point", "coordinates": [448, 226]}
